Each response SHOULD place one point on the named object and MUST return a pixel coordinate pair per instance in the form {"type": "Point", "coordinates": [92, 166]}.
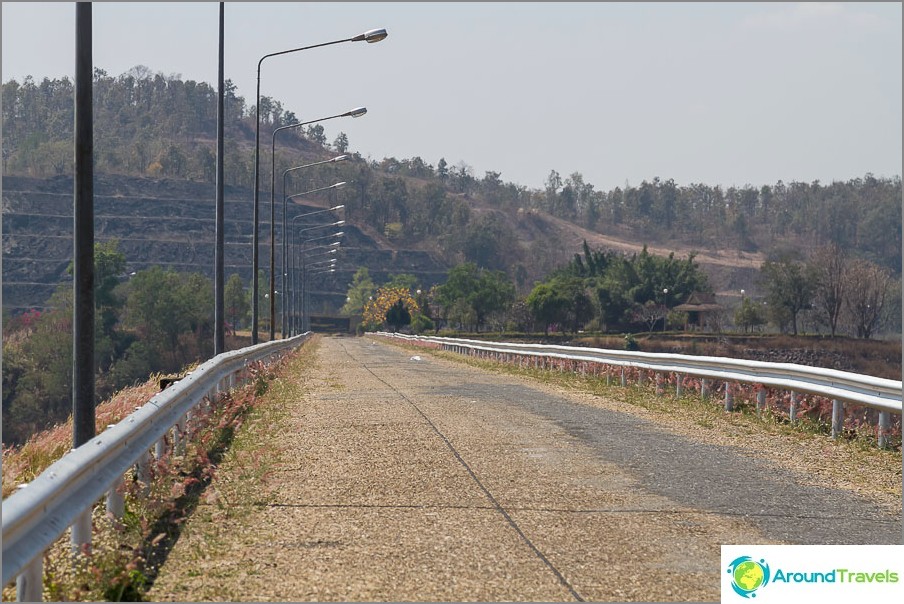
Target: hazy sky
{"type": "Point", "coordinates": [720, 93]}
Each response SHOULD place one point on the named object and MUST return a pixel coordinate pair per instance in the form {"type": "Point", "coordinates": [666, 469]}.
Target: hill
{"type": "Point", "coordinates": [155, 160]}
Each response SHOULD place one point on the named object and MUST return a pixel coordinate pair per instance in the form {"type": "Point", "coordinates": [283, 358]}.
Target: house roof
{"type": "Point", "coordinates": [699, 302]}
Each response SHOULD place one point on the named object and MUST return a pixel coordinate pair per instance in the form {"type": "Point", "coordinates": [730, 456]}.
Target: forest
{"type": "Point", "coordinates": [154, 125]}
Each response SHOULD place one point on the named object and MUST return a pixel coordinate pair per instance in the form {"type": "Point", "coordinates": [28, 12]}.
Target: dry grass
{"type": "Point", "coordinates": [24, 463]}
{"type": "Point", "coordinates": [125, 553]}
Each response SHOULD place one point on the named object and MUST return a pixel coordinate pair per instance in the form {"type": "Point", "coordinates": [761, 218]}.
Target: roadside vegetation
{"type": "Point", "coordinates": [122, 561]}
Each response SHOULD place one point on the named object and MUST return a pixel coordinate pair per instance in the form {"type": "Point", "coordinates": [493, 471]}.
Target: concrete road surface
{"type": "Point", "coordinates": [413, 480]}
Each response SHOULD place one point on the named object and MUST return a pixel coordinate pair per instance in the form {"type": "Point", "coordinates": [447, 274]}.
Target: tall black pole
{"type": "Point", "coordinates": [83, 229]}
{"type": "Point", "coordinates": [257, 161]}
{"type": "Point", "coordinates": [272, 239]}
{"type": "Point", "coordinates": [219, 266]}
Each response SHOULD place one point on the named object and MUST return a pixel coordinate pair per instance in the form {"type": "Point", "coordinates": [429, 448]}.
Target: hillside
{"type": "Point", "coordinates": [155, 160]}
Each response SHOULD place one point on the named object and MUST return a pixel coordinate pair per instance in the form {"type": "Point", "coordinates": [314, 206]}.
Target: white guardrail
{"type": "Point", "coordinates": [64, 494]}
{"type": "Point", "coordinates": [881, 394]}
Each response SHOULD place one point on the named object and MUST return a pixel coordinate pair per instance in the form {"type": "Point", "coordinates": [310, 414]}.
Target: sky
{"type": "Point", "coordinates": [716, 93]}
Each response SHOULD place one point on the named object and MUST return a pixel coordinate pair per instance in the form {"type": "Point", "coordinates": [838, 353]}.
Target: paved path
{"type": "Point", "coordinates": [431, 480]}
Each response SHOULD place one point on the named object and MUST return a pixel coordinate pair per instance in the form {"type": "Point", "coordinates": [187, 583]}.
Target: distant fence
{"type": "Point", "coordinates": [840, 387]}
{"type": "Point", "coordinates": [64, 494]}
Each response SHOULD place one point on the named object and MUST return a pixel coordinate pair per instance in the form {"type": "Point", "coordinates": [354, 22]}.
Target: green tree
{"type": "Point", "coordinates": [789, 287]}
{"type": "Point", "coordinates": [341, 142]}
{"type": "Point", "coordinates": [546, 305]}
{"type": "Point", "coordinates": [398, 316]}
{"type": "Point", "coordinates": [475, 292]}
{"type": "Point", "coordinates": [360, 290]}
{"type": "Point", "coordinates": [236, 300]}
{"type": "Point", "coordinates": [749, 316]}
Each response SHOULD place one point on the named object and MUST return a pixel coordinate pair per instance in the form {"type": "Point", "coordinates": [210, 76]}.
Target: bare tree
{"type": "Point", "coordinates": [868, 286]}
{"type": "Point", "coordinates": [828, 264]}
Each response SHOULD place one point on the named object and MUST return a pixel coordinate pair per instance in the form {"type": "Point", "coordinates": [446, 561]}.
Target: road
{"type": "Point", "coordinates": [413, 479]}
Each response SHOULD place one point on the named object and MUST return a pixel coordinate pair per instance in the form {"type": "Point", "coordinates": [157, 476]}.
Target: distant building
{"type": "Point", "coordinates": [703, 313]}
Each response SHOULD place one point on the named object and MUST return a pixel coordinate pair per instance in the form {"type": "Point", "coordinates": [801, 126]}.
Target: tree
{"type": "Point", "coordinates": [868, 288]}
{"type": "Point", "coordinates": [480, 291]}
{"type": "Point", "coordinates": [828, 265]}
{"type": "Point", "coordinates": [790, 289]}
{"type": "Point", "coordinates": [442, 169]}
{"type": "Point", "coordinates": [383, 307]}
{"type": "Point", "coordinates": [315, 133]}
{"type": "Point", "coordinates": [649, 313]}
{"type": "Point", "coordinates": [360, 290]}
{"type": "Point", "coordinates": [749, 315]}
{"type": "Point", "coordinates": [398, 316]}
{"type": "Point", "coordinates": [341, 142]}
{"type": "Point", "coordinates": [236, 300]}
{"type": "Point", "coordinates": [546, 305]}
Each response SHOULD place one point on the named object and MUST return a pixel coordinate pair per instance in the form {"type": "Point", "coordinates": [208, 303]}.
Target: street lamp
{"type": "Point", "coordinates": [328, 253]}
{"type": "Point", "coordinates": [285, 232]}
{"type": "Point", "coordinates": [353, 113]}
{"type": "Point", "coordinates": [293, 268]}
{"type": "Point", "coordinates": [310, 270]}
{"type": "Point", "coordinates": [285, 247]}
{"type": "Point", "coordinates": [370, 36]}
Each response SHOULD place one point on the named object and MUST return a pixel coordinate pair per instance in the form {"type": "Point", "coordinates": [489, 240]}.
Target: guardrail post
{"type": "Point", "coordinates": [116, 503]}
{"type": "Point", "coordinates": [659, 383]}
{"type": "Point", "coordinates": [837, 418]}
{"type": "Point", "coordinates": [624, 380]}
{"type": "Point", "coordinates": [760, 401]}
{"type": "Point", "coordinates": [179, 436]}
{"type": "Point", "coordinates": [30, 582]}
{"type": "Point", "coordinates": [884, 424]}
{"type": "Point", "coordinates": [679, 385]}
{"type": "Point", "coordinates": [144, 471]}
{"type": "Point", "coordinates": [81, 531]}
{"type": "Point", "coordinates": [792, 410]}
{"type": "Point", "coordinates": [704, 390]}
{"type": "Point", "coordinates": [160, 449]}
{"type": "Point", "coordinates": [729, 398]}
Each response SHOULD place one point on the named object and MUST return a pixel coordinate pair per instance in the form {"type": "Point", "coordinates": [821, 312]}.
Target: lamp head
{"type": "Point", "coordinates": [357, 112]}
{"type": "Point", "coordinates": [340, 158]}
{"type": "Point", "coordinates": [371, 36]}
{"type": "Point", "coordinates": [337, 185]}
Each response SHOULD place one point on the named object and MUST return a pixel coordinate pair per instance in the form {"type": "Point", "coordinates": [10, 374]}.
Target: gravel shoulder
{"type": "Point", "coordinates": [370, 476]}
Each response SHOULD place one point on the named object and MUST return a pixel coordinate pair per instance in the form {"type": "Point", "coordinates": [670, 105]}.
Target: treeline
{"type": "Point", "coordinates": [861, 214]}
{"type": "Point", "coordinates": [829, 292]}
{"type": "Point", "coordinates": [599, 291]}
{"type": "Point", "coordinates": [151, 321]}
{"type": "Point", "coordinates": [155, 125]}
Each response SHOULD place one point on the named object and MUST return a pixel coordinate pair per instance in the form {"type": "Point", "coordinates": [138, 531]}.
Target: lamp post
{"type": "Point", "coordinates": [292, 270]}
{"type": "Point", "coordinates": [312, 269]}
{"type": "Point", "coordinates": [370, 36]}
{"type": "Point", "coordinates": [299, 299]}
{"type": "Point", "coordinates": [353, 113]}
{"type": "Point", "coordinates": [285, 246]}
{"type": "Point", "coordinates": [285, 232]}
{"type": "Point", "coordinates": [295, 238]}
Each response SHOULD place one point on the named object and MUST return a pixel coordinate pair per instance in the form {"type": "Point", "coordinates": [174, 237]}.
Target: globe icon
{"type": "Point", "coordinates": [748, 575]}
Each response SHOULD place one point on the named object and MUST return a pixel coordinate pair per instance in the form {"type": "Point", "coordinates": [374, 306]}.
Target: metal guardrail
{"type": "Point", "coordinates": [64, 494]}
{"type": "Point", "coordinates": [881, 394]}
